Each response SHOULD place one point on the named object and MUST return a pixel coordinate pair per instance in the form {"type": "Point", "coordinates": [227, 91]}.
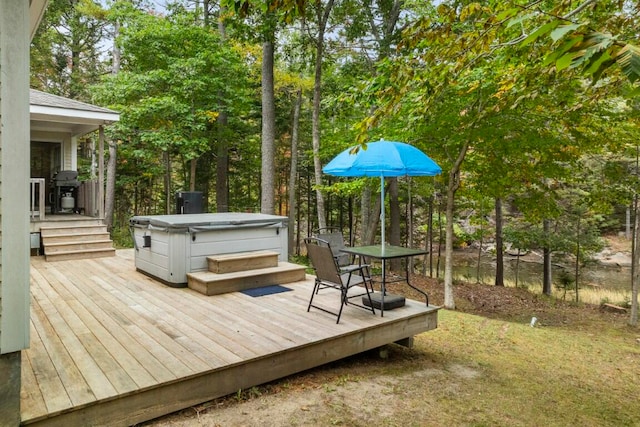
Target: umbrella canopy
{"type": "Point", "coordinates": [382, 158]}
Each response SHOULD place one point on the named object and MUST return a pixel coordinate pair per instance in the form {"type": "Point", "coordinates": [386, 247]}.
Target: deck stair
{"type": "Point", "coordinates": [76, 242]}
{"type": "Point", "coordinates": [242, 271]}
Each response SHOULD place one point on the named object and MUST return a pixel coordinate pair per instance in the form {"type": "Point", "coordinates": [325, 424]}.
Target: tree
{"type": "Point", "coordinates": [578, 43]}
{"type": "Point", "coordinates": [169, 100]}
{"type": "Point", "coordinates": [66, 52]}
{"type": "Point", "coordinates": [272, 14]}
{"type": "Point", "coordinates": [322, 13]}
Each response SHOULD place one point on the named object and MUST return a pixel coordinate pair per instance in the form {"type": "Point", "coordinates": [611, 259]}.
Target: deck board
{"type": "Point", "coordinates": [110, 345]}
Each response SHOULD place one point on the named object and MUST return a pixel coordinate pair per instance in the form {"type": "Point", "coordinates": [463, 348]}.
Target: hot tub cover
{"type": "Point", "coordinates": [207, 221]}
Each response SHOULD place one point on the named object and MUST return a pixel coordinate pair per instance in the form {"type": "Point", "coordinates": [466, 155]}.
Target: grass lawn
{"type": "Point", "coordinates": [484, 366]}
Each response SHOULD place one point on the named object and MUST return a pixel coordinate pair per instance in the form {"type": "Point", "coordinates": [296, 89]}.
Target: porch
{"type": "Point", "coordinates": [85, 203]}
{"type": "Point", "coordinates": [111, 346]}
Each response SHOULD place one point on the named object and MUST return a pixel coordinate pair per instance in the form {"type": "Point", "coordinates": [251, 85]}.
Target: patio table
{"type": "Point", "coordinates": [384, 253]}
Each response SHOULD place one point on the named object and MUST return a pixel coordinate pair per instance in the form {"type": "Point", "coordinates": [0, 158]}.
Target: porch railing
{"type": "Point", "coordinates": [37, 194]}
{"type": "Point", "coordinates": [87, 202]}
{"type": "Point", "coordinates": [88, 198]}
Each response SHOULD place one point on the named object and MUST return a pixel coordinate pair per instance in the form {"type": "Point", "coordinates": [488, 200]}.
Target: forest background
{"type": "Point", "coordinates": [529, 107]}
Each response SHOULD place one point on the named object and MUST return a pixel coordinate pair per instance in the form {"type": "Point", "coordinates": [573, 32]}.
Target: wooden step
{"type": "Point", "coordinates": [72, 229]}
{"type": "Point", "coordinates": [209, 283]}
{"type": "Point", "coordinates": [241, 261]}
{"type": "Point", "coordinates": [67, 242]}
{"type": "Point", "coordinates": [77, 246]}
{"type": "Point", "coordinates": [78, 237]}
{"type": "Point", "coordinates": [84, 254]}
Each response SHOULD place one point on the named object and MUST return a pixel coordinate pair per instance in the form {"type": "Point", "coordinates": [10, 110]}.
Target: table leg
{"type": "Point", "coordinates": [409, 283]}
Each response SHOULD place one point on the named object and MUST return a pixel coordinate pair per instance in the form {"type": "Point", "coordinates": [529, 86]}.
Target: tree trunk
{"type": "Point", "coordinates": [517, 267]}
{"type": "Point", "coordinates": [192, 174]}
{"type": "Point", "coordinates": [222, 151]}
{"type": "Point", "coordinates": [452, 187]}
{"type": "Point", "coordinates": [448, 251]}
{"type": "Point", "coordinates": [222, 166]}
{"type": "Point", "coordinates": [205, 12]}
{"type": "Point", "coordinates": [439, 258]}
{"type": "Point", "coordinates": [167, 182]}
{"type": "Point", "coordinates": [499, 246]}
{"type": "Point", "coordinates": [323, 17]}
{"type": "Point", "coordinates": [365, 213]}
{"type": "Point", "coordinates": [110, 190]}
{"type": "Point", "coordinates": [115, 51]}
{"type": "Point", "coordinates": [374, 222]}
{"type": "Point", "coordinates": [635, 264]}
{"type": "Point", "coordinates": [479, 262]}
{"type": "Point", "coordinates": [577, 257]}
{"type": "Point", "coordinates": [546, 261]}
{"type": "Point", "coordinates": [267, 200]}
{"type": "Point", "coordinates": [293, 174]}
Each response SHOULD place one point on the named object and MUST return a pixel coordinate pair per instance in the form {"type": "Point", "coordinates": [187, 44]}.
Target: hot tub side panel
{"type": "Point", "coordinates": [166, 258]}
{"type": "Point", "coordinates": [246, 239]}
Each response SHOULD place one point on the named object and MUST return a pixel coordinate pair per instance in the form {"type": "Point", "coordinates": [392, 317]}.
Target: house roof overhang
{"type": "Point", "coordinates": [52, 113]}
{"type": "Point", "coordinates": [36, 11]}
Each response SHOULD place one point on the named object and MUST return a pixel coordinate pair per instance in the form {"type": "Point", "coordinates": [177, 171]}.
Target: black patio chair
{"type": "Point", "coordinates": [329, 275]}
{"type": "Point", "coordinates": [334, 236]}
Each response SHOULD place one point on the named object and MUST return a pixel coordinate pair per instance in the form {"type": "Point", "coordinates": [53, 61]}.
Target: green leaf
{"type": "Point", "coordinates": [591, 54]}
{"type": "Point", "coordinates": [564, 61]}
{"type": "Point", "coordinates": [562, 50]}
{"type": "Point", "coordinates": [562, 30]}
{"type": "Point", "coordinates": [597, 61]}
{"type": "Point", "coordinates": [549, 26]}
{"type": "Point", "coordinates": [507, 14]}
{"type": "Point", "coordinates": [628, 59]}
{"type": "Point", "coordinates": [520, 19]}
{"type": "Point", "coordinates": [635, 92]}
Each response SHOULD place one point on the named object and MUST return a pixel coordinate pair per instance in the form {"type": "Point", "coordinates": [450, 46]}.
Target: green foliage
{"type": "Point", "coordinates": [66, 51]}
{"type": "Point", "coordinates": [577, 45]}
{"type": "Point", "coordinates": [176, 80]}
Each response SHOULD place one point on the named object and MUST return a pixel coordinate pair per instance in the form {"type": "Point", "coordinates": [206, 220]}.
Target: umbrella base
{"type": "Point", "coordinates": [390, 301]}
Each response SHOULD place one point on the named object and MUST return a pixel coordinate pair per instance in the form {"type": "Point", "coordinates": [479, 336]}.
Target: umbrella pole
{"type": "Point", "coordinates": [382, 207]}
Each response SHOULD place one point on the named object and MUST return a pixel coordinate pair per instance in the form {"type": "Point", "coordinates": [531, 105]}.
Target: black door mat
{"type": "Point", "coordinates": [390, 301]}
{"type": "Point", "coordinates": [268, 290]}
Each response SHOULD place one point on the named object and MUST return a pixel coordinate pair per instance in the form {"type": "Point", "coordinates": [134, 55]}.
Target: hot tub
{"type": "Point", "coordinates": [167, 247]}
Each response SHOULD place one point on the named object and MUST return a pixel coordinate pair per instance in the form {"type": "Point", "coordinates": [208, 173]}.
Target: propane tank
{"type": "Point", "coordinates": [68, 202]}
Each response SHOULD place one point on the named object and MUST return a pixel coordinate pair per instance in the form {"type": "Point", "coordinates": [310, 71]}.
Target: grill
{"type": "Point", "coordinates": [65, 192]}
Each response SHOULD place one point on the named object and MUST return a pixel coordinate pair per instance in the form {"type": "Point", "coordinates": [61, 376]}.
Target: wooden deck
{"type": "Point", "coordinates": [111, 346]}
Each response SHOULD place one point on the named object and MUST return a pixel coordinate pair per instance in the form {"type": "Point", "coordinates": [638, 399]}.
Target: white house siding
{"type": "Point", "coordinates": [14, 175]}
{"type": "Point", "coordinates": [14, 199]}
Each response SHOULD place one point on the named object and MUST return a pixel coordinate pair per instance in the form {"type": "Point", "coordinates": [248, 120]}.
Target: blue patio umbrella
{"type": "Point", "coordinates": [384, 159]}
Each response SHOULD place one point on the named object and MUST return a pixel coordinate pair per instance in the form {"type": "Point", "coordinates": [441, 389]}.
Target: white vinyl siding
{"type": "Point", "coordinates": [14, 175]}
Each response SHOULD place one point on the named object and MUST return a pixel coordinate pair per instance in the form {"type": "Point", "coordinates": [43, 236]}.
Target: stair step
{"type": "Point", "coordinates": [84, 254]}
{"type": "Point", "coordinates": [209, 283]}
{"type": "Point", "coordinates": [77, 237]}
{"type": "Point", "coordinates": [77, 229]}
{"type": "Point", "coordinates": [68, 242]}
{"type": "Point", "coordinates": [52, 248]}
{"type": "Point", "coordinates": [242, 261]}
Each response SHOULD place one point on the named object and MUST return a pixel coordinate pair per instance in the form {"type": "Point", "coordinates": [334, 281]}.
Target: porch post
{"type": "Point", "coordinates": [101, 172]}
{"type": "Point", "coordinates": [14, 205]}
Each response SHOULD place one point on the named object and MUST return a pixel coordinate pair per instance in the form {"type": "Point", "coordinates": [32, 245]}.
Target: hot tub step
{"type": "Point", "coordinates": [209, 283]}
{"type": "Point", "coordinates": [242, 261]}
